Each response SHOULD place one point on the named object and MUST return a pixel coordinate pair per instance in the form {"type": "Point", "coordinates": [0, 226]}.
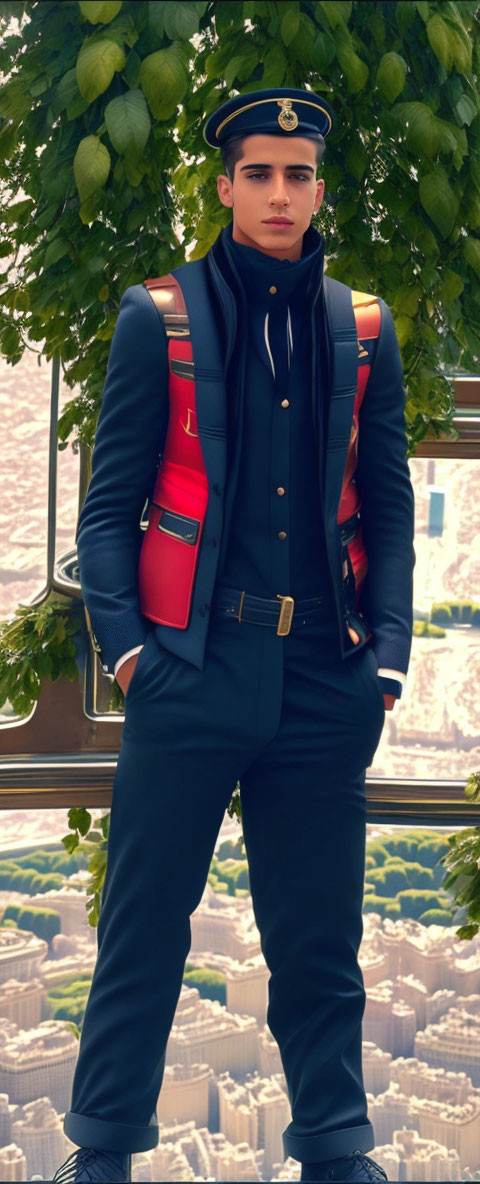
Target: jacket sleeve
{"type": "Point", "coordinates": [129, 439]}
{"type": "Point", "coordinates": [388, 506]}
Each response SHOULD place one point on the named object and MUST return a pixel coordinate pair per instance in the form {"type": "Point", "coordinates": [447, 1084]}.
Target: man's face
{"type": "Point", "coordinates": [276, 176]}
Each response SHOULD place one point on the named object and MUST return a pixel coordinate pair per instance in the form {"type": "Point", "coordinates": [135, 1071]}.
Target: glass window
{"type": "Point", "coordinates": [434, 729]}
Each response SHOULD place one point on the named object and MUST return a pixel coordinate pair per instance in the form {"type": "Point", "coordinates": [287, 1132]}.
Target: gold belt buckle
{"type": "Point", "coordinates": [286, 614]}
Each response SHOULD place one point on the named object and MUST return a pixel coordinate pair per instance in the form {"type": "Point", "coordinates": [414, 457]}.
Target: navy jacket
{"type": "Point", "coordinates": [131, 432]}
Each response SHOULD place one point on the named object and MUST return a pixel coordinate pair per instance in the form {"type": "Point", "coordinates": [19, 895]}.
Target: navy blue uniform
{"type": "Point", "coordinates": [287, 716]}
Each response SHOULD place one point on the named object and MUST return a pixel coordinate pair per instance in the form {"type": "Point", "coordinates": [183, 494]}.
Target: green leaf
{"type": "Point", "coordinates": [404, 328]}
{"type": "Point", "coordinates": [95, 264]}
{"type": "Point", "coordinates": [423, 134]}
{"type": "Point", "coordinates": [128, 122]}
{"type": "Point", "coordinates": [155, 16]}
{"type": "Point", "coordinates": [231, 71]}
{"type": "Point", "coordinates": [131, 73]}
{"type": "Point", "coordinates": [467, 932]}
{"type": "Point", "coordinates": [134, 171]}
{"type": "Point", "coordinates": [10, 339]}
{"type": "Point", "coordinates": [461, 45]}
{"type": "Point", "coordinates": [440, 40]}
{"type": "Point", "coordinates": [395, 198]}
{"type": "Point", "coordinates": [355, 70]}
{"type": "Point", "coordinates": [21, 300]}
{"type": "Point", "coordinates": [377, 27]}
{"type": "Point", "coordinates": [407, 299]}
{"type": "Point", "coordinates": [471, 251]}
{"type": "Point", "coordinates": [391, 74]}
{"type": "Point", "coordinates": [290, 25]}
{"type": "Point", "coordinates": [18, 210]}
{"type": "Point", "coordinates": [91, 166]}
{"type": "Point", "coordinates": [323, 52]}
{"type": "Point", "coordinates": [100, 11]}
{"type": "Point", "coordinates": [56, 250]}
{"type": "Point", "coordinates": [123, 30]}
{"type": "Point", "coordinates": [470, 208]}
{"type": "Point", "coordinates": [422, 6]}
{"type": "Point", "coordinates": [465, 109]}
{"type": "Point", "coordinates": [66, 91]}
{"type": "Point", "coordinates": [97, 62]}
{"type": "Point", "coordinates": [163, 81]}
{"type": "Point", "coordinates": [344, 210]}
{"type": "Point", "coordinates": [247, 63]}
{"type": "Point", "coordinates": [453, 139]}
{"type": "Point", "coordinates": [451, 286]}
{"type": "Point", "coordinates": [300, 49]}
{"type": "Point", "coordinates": [405, 15]}
{"type": "Point", "coordinates": [335, 11]}
{"type": "Point", "coordinates": [426, 242]}
{"type": "Point", "coordinates": [274, 66]}
{"type": "Point", "coordinates": [80, 819]}
{"type": "Point", "coordinates": [357, 159]}
{"type": "Point", "coordinates": [180, 20]}
{"type": "Point", "coordinates": [70, 842]}
{"type": "Point", "coordinates": [439, 200]}
{"type": "Point", "coordinates": [38, 88]}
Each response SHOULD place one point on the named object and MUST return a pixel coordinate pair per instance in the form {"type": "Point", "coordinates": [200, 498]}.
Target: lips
{"type": "Point", "coordinates": [281, 221]}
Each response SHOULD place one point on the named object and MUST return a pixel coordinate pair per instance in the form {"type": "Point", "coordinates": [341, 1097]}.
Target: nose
{"type": "Point", "coordinates": [278, 190]}
{"type": "Point", "coordinates": [279, 194]}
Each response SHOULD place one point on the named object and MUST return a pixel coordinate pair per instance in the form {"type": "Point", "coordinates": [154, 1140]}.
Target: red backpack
{"type": "Point", "coordinates": [170, 548]}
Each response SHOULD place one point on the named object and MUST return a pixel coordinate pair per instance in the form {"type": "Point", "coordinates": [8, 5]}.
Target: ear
{"type": "Point", "coordinates": [225, 190]}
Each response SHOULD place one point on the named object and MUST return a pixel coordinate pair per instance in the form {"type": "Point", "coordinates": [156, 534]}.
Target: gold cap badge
{"type": "Point", "coordinates": [287, 118]}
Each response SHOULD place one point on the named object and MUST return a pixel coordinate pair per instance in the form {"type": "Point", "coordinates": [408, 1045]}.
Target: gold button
{"type": "Point", "coordinates": [285, 402]}
{"type": "Point", "coordinates": [282, 534]}
{"type": "Point", "coordinates": [272, 289]}
{"type": "Point", "coordinates": [280, 490]}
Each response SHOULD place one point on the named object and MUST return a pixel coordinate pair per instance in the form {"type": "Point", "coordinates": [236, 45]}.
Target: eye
{"type": "Point", "coordinates": [298, 176]}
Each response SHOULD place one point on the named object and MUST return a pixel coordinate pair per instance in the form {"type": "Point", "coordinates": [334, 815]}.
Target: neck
{"type": "Point", "coordinates": [291, 253]}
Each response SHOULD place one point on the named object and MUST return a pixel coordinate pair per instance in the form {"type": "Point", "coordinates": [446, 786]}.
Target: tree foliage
{"type": "Point", "coordinates": [101, 128]}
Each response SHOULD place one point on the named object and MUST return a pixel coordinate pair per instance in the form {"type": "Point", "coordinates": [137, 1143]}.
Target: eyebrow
{"type": "Point", "coordinates": [307, 167]}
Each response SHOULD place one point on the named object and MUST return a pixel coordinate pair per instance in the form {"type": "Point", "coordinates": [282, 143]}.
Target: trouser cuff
{"type": "Point", "coordinates": [110, 1136]}
{"type": "Point", "coordinates": [330, 1145]}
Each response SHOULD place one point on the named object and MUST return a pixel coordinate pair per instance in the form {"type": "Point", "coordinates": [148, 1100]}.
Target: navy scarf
{"type": "Point", "coordinates": [241, 268]}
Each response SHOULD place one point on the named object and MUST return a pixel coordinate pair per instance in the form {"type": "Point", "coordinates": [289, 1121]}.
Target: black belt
{"type": "Point", "coordinates": [259, 610]}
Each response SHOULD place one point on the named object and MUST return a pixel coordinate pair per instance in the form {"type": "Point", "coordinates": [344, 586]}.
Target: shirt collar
{"type": "Point", "coordinates": [259, 271]}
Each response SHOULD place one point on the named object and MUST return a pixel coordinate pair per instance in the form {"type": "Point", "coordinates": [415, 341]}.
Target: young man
{"type": "Point", "coordinates": [259, 628]}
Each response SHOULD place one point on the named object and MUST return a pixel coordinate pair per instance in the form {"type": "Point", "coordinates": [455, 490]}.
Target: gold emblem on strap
{"type": "Point", "coordinates": [186, 427]}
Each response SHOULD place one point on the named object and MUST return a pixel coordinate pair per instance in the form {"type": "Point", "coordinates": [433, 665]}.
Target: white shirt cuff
{"type": "Point", "coordinates": [123, 658]}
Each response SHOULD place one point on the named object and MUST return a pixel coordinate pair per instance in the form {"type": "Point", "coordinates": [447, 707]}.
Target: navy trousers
{"type": "Point", "coordinates": [298, 726]}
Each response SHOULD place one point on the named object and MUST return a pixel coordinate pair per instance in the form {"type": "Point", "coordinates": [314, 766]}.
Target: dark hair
{"type": "Point", "coordinates": [232, 152]}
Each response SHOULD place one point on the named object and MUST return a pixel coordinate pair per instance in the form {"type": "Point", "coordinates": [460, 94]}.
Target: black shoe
{"type": "Point", "coordinates": [349, 1168]}
{"type": "Point", "coordinates": [88, 1164]}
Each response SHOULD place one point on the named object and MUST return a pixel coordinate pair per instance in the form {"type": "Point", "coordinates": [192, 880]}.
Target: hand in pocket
{"type": "Point", "coordinates": [125, 672]}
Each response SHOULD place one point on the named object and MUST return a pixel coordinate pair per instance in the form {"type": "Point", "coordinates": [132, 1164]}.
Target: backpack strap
{"type": "Point", "coordinates": [168, 299]}
{"type": "Point", "coordinates": [352, 317]}
{"type": "Point", "coordinates": [367, 317]}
